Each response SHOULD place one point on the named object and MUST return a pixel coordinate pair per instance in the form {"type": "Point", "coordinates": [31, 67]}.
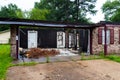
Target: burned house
{"type": "Point", "coordinates": [89, 38]}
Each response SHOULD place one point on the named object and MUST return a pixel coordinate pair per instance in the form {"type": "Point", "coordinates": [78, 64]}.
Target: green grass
{"type": "Point", "coordinates": [113, 58]}
{"type": "Point", "coordinates": [5, 60]}
{"type": "Point", "coordinates": [25, 64]}
{"type": "Point", "coordinates": [91, 57]}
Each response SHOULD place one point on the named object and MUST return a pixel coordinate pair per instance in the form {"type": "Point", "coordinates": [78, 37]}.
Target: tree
{"type": "Point", "coordinates": [38, 14]}
{"type": "Point", "coordinates": [10, 11]}
{"type": "Point", "coordinates": [111, 9]}
{"type": "Point", "coordinates": [67, 10]}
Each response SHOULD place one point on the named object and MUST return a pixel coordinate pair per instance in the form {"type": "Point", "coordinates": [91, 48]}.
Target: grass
{"type": "Point", "coordinates": [91, 57]}
{"type": "Point", "coordinates": [47, 59]}
{"type": "Point", "coordinates": [115, 58]}
{"type": "Point", "coordinates": [25, 64]}
{"type": "Point", "coordinates": [5, 60]}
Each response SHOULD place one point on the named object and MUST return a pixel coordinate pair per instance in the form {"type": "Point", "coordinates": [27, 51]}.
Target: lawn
{"type": "Point", "coordinates": [113, 58]}
{"type": "Point", "coordinates": [5, 60]}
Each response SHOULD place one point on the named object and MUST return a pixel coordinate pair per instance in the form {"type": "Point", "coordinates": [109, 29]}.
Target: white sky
{"type": "Point", "coordinates": [29, 4]}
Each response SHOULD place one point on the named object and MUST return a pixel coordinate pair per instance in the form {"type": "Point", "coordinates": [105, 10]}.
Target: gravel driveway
{"type": "Point", "coordinates": [79, 70]}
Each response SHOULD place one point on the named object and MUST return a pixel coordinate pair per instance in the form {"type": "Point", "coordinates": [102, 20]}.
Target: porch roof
{"type": "Point", "coordinates": [41, 23]}
{"type": "Point", "coordinates": [109, 22]}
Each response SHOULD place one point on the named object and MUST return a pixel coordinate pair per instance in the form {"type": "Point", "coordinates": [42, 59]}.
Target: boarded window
{"type": "Point", "coordinates": [99, 36]}
{"type": "Point", "coordinates": [111, 36]}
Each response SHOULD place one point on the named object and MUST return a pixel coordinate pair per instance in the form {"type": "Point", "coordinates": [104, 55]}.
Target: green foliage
{"type": "Point", "coordinates": [102, 54]}
{"type": "Point", "coordinates": [111, 9]}
{"type": "Point", "coordinates": [25, 64]}
{"type": "Point", "coordinates": [47, 59]}
{"type": "Point", "coordinates": [113, 58]}
{"type": "Point", "coordinates": [10, 11]}
{"type": "Point", "coordinates": [67, 10]}
{"type": "Point", "coordinates": [5, 60]}
{"type": "Point", "coordinates": [38, 14]}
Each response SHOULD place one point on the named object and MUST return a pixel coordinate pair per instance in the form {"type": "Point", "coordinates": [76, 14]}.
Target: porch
{"type": "Point", "coordinates": [75, 28]}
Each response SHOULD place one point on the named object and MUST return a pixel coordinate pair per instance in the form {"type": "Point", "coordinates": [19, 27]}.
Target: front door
{"type": "Point", "coordinates": [32, 39]}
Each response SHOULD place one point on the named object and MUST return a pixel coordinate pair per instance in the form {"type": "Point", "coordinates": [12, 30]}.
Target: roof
{"type": "Point", "coordinates": [109, 22]}
{"type": "Point", "coordinates": [41, 23]}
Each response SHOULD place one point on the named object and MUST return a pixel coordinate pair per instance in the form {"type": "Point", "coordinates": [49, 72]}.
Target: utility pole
{"type": "Point", "coordinates": [77, 18]}
{"type": "Point", "coordinates": [67, 30]}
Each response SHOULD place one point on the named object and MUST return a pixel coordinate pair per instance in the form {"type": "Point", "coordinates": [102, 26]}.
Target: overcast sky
{"type": "Point", "coordinates": [28, 4]}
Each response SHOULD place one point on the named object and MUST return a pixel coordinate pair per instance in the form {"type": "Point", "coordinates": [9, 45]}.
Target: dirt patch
{"type": "Point", "coordinates": [80, 70]}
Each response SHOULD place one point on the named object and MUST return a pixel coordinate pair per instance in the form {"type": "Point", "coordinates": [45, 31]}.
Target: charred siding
{"type": "Point", "coordinates": [47, 38]}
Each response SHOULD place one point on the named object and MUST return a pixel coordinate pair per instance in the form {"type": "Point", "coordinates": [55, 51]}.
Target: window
{"type": "Point", "coordinates": [109, 36]}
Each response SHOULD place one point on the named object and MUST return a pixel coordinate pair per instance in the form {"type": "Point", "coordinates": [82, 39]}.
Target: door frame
{"type": "Point", "coordinates": [36, 41]}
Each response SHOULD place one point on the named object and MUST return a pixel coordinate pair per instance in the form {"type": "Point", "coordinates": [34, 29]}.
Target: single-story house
{"type": "Point", "coordinates": [106, 38]}
{"type": "Point", "coordinates": [4, 37]}
{"type": "Point", "coordinates": [90, 38]}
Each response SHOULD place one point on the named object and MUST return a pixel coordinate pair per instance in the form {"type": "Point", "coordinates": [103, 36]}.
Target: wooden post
{"type": "Point", "coordinates": [67, 39]}
{"type": "Point", "coordinates": [105, 46]}
{"type": "Point", "coordinates": [91, 52]}
{"type": "Point", "coordinates": [17, 28]}
{"type": "Point", "coordinates": [75, 39]}
{"type": "Point", "coordinates": [13, 42]}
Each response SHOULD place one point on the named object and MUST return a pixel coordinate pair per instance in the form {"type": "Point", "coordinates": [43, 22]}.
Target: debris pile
{"type": "Point", "coordinates": [38, 52]}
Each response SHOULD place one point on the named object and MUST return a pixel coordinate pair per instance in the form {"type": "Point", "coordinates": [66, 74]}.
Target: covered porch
{"type": "Point", "coordinates": [75, 36]}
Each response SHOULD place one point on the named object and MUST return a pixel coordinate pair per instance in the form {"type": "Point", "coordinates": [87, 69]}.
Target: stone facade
{"type": "Point", "coordinates": [96, 48]}
{"type": "Point", "coordinates": [114, 48]}
{"type": "Point", "coordinates": [13, 42]}
{"type": "Point", "coordinates": [111, 48]}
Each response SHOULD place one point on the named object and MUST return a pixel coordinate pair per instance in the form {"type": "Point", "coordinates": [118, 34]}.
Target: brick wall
{"type": "Point", "coordinates": [97, 48]}
{"type": "Point", "coordinates": [114, 48]}
{"type": "Point", "coordinates": [111, 48]}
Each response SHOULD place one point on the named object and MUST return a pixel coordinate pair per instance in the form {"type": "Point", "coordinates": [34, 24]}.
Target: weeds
{"type": "Point", "coordinates": [91, 57]}
{"type": "Point", "coordinates": [25, 64]}
{"type": "Point", "coordinates": [47, 59]}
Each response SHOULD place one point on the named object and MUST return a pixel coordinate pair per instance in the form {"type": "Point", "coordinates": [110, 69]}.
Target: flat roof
{"type": "Point", "coordinates": [41, 23]}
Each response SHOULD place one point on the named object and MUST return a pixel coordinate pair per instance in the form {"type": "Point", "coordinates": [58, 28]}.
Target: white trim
{"type": "Point", "coordinates": [88, 49]}
{"type": "Point", "coordinates": [107, 37]}
{"type": "Point", "coordinates": [33, 44]}
{"type": "Point", "coordinates": [61, 44]}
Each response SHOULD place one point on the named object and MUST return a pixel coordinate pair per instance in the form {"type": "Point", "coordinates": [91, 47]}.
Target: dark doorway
{"type": "Point", "coordinates": [83, 40]}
